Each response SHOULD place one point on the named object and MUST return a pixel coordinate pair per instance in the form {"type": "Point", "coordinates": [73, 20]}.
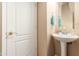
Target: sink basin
{"type": "Point", "coordinates": [65, 37]}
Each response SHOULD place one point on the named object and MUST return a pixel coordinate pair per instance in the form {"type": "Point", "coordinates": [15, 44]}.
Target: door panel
{"type": "Point", "coordinates": [26, 15]}
{"type": "Point", "coordinates": [25, 46]}
{"type": "Point", "coordinates": [21, 28]}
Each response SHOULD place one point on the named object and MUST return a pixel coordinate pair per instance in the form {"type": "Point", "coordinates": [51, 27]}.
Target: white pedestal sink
{"type": "Point", "coordinates": [64, 38]}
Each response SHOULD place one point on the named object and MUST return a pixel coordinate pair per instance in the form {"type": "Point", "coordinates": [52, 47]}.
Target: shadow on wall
{"type": "Point", "coordinates": [73, 48]}
{"type": "Point", "coordinates": [54, 47]}
{"type": "Point", "coordinates": [51, 47]}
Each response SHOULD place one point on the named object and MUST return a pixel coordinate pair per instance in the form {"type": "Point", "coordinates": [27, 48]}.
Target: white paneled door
{"type": "Point", "coordinates": [20, 28]}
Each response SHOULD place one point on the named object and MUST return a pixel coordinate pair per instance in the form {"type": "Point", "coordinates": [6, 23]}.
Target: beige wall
{"type": "Point", "coordinates": [0, 26]}
{"type": "Point", "coordinates": [42, 28]}
{"type": "Point", "coordinates": [49, 15]}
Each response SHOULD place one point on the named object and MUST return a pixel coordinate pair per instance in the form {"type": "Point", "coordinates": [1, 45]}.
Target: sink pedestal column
{"type": "Point", "coordinates": [63, 48]}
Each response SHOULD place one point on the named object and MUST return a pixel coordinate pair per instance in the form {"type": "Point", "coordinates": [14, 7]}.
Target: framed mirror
{"type": "Point", "coordinates": [66, 11]}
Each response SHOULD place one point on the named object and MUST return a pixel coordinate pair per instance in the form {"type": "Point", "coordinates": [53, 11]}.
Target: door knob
{"type": "Point", "coordinates": [10, 33]}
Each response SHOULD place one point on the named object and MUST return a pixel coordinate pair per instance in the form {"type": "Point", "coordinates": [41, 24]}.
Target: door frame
{"type": "Point", "coordinates": [4, 34]}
